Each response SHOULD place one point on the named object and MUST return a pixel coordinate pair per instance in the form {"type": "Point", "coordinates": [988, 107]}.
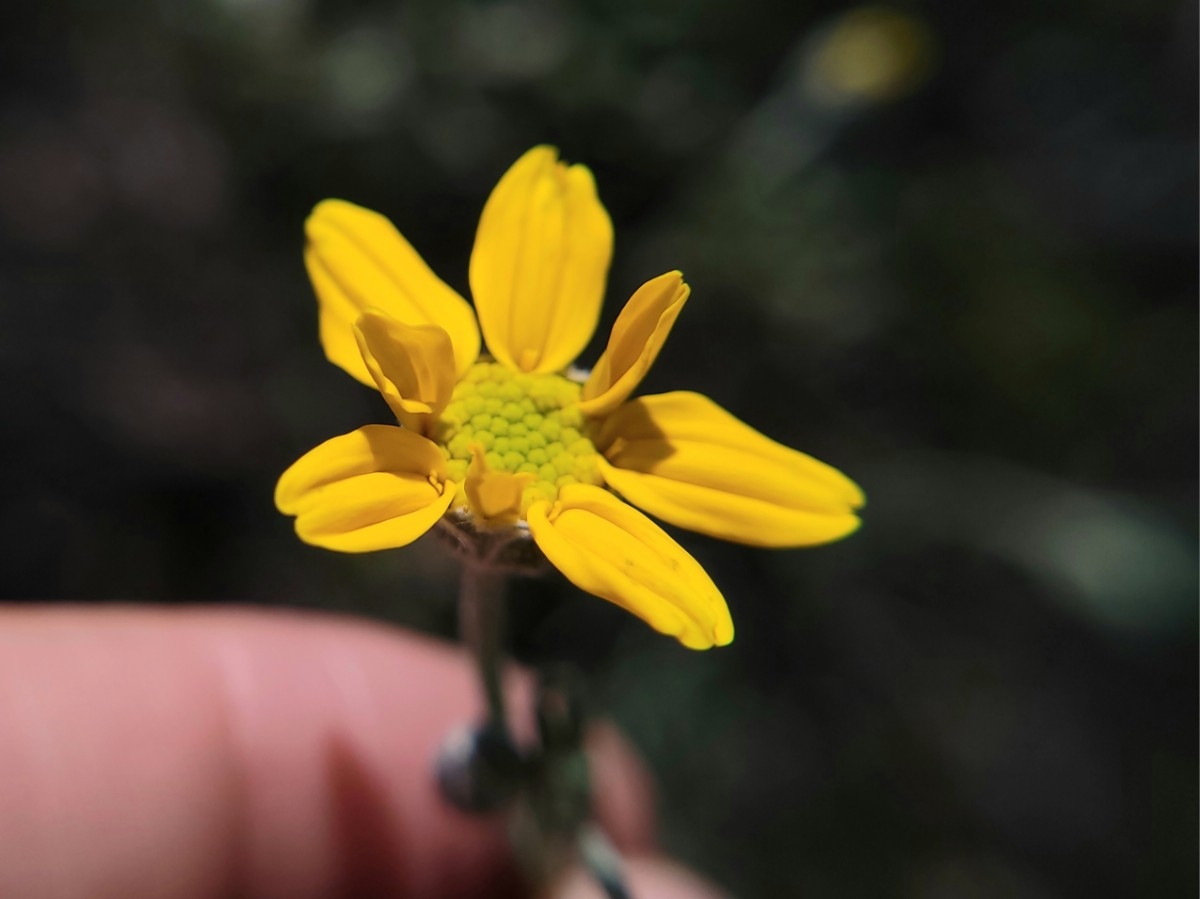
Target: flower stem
{"type": "Point", "coordinates": [555, 824]}
{"type": "Point", "coordinates": [481, 624]}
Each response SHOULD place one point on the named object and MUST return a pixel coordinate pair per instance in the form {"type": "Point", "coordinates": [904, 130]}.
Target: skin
{"type": "Point", "coordinates": [213, 753]}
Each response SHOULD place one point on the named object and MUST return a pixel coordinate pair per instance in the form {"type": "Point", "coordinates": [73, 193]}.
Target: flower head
{"type": "Point", "coordinates": [518, 440]}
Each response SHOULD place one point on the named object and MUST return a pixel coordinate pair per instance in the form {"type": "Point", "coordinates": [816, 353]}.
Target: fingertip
{"type": "Point", "coordinates": [240, 752]}
{"type": "Point", "coordinates": [623, 793]}
{"type": "Point", "coordinates": [251, 753]}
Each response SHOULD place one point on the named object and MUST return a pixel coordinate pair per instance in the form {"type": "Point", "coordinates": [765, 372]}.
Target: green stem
{"type": "Point", "coordinates": [560, 797]}
{"type": "Point", "coordinates": [481, 624]}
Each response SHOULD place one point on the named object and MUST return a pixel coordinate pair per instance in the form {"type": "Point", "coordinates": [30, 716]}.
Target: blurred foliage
{"type": "Point", "coordinates": [950, 248]}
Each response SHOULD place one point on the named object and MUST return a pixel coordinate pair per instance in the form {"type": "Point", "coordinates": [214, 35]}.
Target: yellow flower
{"type": "Point", "coordinates": [519, 440]}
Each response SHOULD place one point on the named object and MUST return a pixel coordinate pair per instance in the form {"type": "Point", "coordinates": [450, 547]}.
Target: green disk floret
{"type": "Point", "coordinates": [525, 423]}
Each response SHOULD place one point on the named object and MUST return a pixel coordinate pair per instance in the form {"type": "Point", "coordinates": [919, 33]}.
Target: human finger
{"type": "Point", "coordinates": [215, 753]}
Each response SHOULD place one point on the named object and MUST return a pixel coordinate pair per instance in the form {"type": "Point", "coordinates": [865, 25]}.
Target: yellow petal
{"type": "Point", "coordinates": [494, 496]}
{"type": "Point", "coordinates": [637, 335]}
{"type": "Point", "coordinates": [684, 459]}
{"type": "Point", "coordinates": [610, 549]}
{"type": "Point", "coordinates": [540, 261]}
{"type": "Point", "coordinates": [375, 488]}
{"type": "Point", "coordinates": [358, 260]}
{"type": "Point", "coordinates": [412, 365]}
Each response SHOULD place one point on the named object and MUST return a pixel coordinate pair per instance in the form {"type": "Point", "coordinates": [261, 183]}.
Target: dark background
{"type": "Point", "coordinates": [954, 254]}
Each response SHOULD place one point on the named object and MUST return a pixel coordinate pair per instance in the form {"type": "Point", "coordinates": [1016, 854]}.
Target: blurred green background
{"type": "Point", "coordinates": [950, 248]}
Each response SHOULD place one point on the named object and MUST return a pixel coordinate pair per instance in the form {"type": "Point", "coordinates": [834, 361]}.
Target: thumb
{"type": "Point", "coordinates": [647, 878]}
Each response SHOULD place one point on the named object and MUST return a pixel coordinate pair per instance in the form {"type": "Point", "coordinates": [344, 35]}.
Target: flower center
{"type": "Point", "coordinates": [525, 423]}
